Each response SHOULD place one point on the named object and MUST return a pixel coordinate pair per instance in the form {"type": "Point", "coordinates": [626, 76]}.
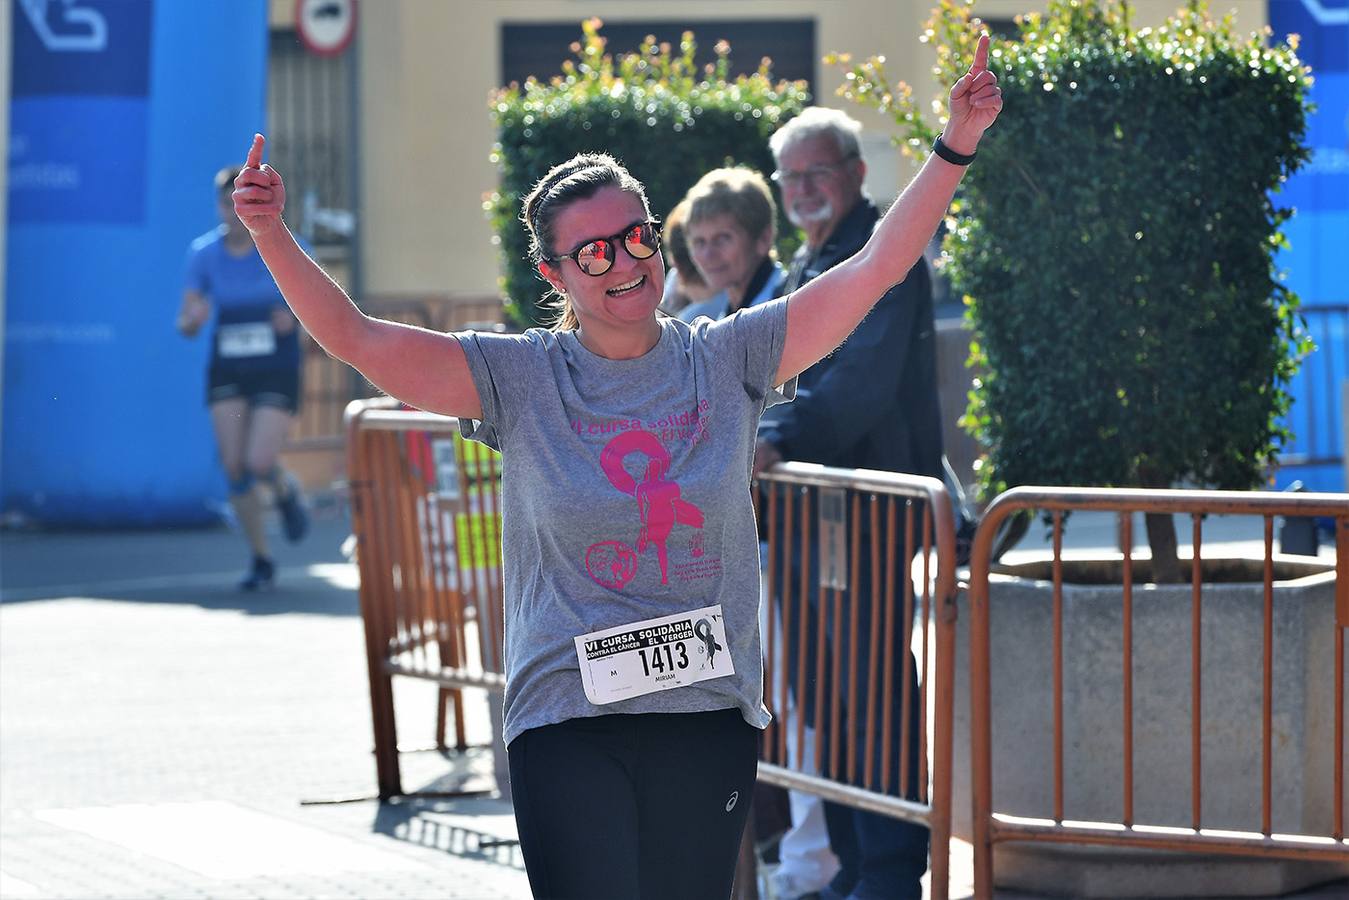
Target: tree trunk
{"type": "Point", "coordinates": [1161, 534]}
{"type": "Point", "coordinates": [1162, 540]}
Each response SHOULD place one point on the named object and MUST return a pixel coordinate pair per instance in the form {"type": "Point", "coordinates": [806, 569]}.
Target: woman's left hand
{"type": "Point", "coordinates": [975, 103]}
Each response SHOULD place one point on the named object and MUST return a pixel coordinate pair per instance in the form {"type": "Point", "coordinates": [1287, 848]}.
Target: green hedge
{"type": "Point", "coordinates": [1115, 245]}
{"type": "Point", "coordinates": [655, 110]}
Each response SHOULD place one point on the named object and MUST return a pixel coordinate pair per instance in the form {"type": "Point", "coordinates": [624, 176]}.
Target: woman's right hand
{"type": "Point", "coordinates": [259, 196]}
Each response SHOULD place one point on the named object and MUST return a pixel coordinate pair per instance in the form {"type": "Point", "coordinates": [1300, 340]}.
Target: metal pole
{"type": "Point", "coordinates": [355, 245]}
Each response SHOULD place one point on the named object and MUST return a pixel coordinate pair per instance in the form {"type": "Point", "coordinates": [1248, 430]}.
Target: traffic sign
{"type": "Point", "coordinates": [326, 27]}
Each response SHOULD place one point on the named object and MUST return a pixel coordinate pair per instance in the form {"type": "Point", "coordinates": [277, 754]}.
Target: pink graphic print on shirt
{"type": "Point", "coordinates": [611, 563]}
{"type": "Point", "coordinates": [659, 505]}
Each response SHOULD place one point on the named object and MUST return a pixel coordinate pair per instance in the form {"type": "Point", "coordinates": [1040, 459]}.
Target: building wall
{"type": "Point", "coordinates": [427, 71]}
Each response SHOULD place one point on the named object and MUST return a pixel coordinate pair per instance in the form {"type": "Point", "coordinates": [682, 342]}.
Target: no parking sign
{"type": "Point", "coordinates": [326, 27]}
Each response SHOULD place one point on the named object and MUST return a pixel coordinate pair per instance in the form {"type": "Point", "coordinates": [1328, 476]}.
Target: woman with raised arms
{"type": "Point", "coordinates": [632, 760]}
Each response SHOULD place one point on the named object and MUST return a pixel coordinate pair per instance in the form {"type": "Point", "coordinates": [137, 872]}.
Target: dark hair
{"type": "Point", "coordinates": [576, 179]}
{"type": "Point", "coordinates": [224, 179]}
{"type": "Point", "coordinates": [677, 245]}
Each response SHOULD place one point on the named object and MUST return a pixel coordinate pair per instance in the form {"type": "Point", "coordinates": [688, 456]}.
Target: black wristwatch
{"type": "Point", "coordinates": [946, 153]}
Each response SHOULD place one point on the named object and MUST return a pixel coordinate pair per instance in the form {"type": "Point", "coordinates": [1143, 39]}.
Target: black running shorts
{"type": "Point", "coordinates": [279, 389]}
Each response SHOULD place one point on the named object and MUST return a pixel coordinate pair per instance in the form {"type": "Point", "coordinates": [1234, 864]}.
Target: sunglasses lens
{"type": "Point", "coordinates": [642, 241]}
{"type": "Point", "coordinates": [596, 257]}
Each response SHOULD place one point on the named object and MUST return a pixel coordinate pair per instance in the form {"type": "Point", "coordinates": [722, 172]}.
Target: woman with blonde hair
{"type": "Point", "coordinates": [732, 225]}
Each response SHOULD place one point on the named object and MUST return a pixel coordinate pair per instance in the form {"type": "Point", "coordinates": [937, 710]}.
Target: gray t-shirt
{"type": "Point", "coordinates": [625, 497]}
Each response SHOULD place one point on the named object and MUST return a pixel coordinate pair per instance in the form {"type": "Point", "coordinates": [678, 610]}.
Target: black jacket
{"type": "Point", "coordinates": [872, 404]}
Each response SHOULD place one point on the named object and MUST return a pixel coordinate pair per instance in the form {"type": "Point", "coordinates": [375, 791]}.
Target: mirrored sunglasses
{"type": "Point", "coordinates": [596, 257]}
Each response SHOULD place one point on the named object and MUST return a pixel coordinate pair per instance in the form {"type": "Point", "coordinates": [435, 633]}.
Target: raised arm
{"type": "Point", "coordinates": [423, 368]}
{"type": "Point", "coordinates": [826, 310]}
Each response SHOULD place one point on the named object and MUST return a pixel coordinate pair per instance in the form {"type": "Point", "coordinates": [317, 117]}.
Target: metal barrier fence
{"type": "Point", "coordinates": [425, 513]}
{"type": "Point", "coordinates": [1195, 831]}
{"type": "Point", "coordinates": [852, 557]}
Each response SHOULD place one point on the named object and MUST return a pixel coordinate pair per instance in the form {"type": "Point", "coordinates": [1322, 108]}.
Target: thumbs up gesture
{"type": "Point", "coordinates": [975, 103]}
{"type": "Point", "coordinates": [259, 196]}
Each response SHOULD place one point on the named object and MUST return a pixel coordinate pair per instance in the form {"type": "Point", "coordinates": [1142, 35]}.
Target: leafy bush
{"type": "Point", "coordinates": [657, 112]}
{"type": "Point", "coordinates": [1115, 245]}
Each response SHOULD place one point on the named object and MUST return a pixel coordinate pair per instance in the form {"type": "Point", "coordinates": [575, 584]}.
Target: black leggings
{"type": "Point", "coordinates": [634, 807]}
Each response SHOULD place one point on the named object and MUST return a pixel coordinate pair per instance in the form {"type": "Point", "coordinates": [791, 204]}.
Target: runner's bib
{"type": "Point", "coordinates": [653, 655]}
{"type": "Point", "coordinates": [246, 339]}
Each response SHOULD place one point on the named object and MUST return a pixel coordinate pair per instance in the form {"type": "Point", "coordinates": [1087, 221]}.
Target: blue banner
{"type": "Point", "coordinates": [121, 113]}
{"type": "Point", "coordinates": [1319, 234]}
{"type": "Point", "coordinates": [68, 156]}
{"type": "Point", "coordinates": [78, 113]}
{"type": "Point", "coordinates": [84, 48]}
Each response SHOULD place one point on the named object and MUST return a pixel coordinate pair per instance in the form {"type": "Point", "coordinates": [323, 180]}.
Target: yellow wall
{"type": "Point", "coordinates": [427, 67]}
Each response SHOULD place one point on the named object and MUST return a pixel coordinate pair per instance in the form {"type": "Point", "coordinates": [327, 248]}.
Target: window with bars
{"type": "Point", "coordinates": [310, 125]}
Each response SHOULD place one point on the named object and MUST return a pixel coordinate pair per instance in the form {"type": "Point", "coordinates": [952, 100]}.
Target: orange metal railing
{"type": "Point", "coordinates": [822, 527]}
{"type": "Point", "coordinates": [425, 513]}
{"type": "Point", "coordinates": [991, 827]}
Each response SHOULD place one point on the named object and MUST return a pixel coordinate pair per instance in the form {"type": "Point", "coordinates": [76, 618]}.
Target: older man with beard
{"type": "Point", "coordinates": [871, 404]}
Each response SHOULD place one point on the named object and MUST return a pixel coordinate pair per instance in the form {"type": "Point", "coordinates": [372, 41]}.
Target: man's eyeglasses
{"type": "Point", "coordinates": [597, 256]}
{"type": "Point", "coordinates": [817, 172]}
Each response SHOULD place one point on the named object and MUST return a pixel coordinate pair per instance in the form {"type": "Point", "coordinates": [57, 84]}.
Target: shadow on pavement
{"type": "Point", "coordinates": [201, 567]}
{"type": "Point", "coordinates": [479, 825]}
{"type": "Point", "coordinates": [415, 822]}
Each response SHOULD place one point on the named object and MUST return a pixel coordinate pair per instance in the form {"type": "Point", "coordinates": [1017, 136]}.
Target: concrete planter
{"type": "Point", "coordinates": [1021, 620]}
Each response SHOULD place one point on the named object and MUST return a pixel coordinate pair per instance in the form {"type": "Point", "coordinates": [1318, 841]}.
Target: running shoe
{"type": "Point", "coordinates": [294, 516]}
{"type": "Point", "coordinates": [261, 577]}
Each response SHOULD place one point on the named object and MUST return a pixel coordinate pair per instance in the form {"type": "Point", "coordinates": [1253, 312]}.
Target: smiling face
{"type": "Point", "coordinates": [725, 254]}
{"type": "Point", "coordinates": [625, 297]}
{"type": "Point", "coordinates": [819, 185]}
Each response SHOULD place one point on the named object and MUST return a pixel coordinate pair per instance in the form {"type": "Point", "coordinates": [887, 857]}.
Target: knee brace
{"type": "Point", "coordinates": [243, 484]}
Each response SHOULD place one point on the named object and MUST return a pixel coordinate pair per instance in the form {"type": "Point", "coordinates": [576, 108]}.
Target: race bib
{"type": "Point", "coordinates": [246, 339]}
{"type": "Point", "coordinates": [653, 655]}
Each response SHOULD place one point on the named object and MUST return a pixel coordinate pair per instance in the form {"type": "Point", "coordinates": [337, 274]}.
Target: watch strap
{"type": "Point", "coordinates": [951, 156]}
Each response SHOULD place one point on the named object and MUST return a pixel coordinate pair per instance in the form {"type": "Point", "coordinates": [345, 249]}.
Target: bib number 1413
{"type": "Point", "coordinates": [653, 655]}
{"type": "Point", "coordinates": [670, 661]}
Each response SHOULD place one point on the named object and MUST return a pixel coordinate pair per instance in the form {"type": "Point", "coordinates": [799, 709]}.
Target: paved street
{"type": "Point", "coordinates": [162, 735]}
